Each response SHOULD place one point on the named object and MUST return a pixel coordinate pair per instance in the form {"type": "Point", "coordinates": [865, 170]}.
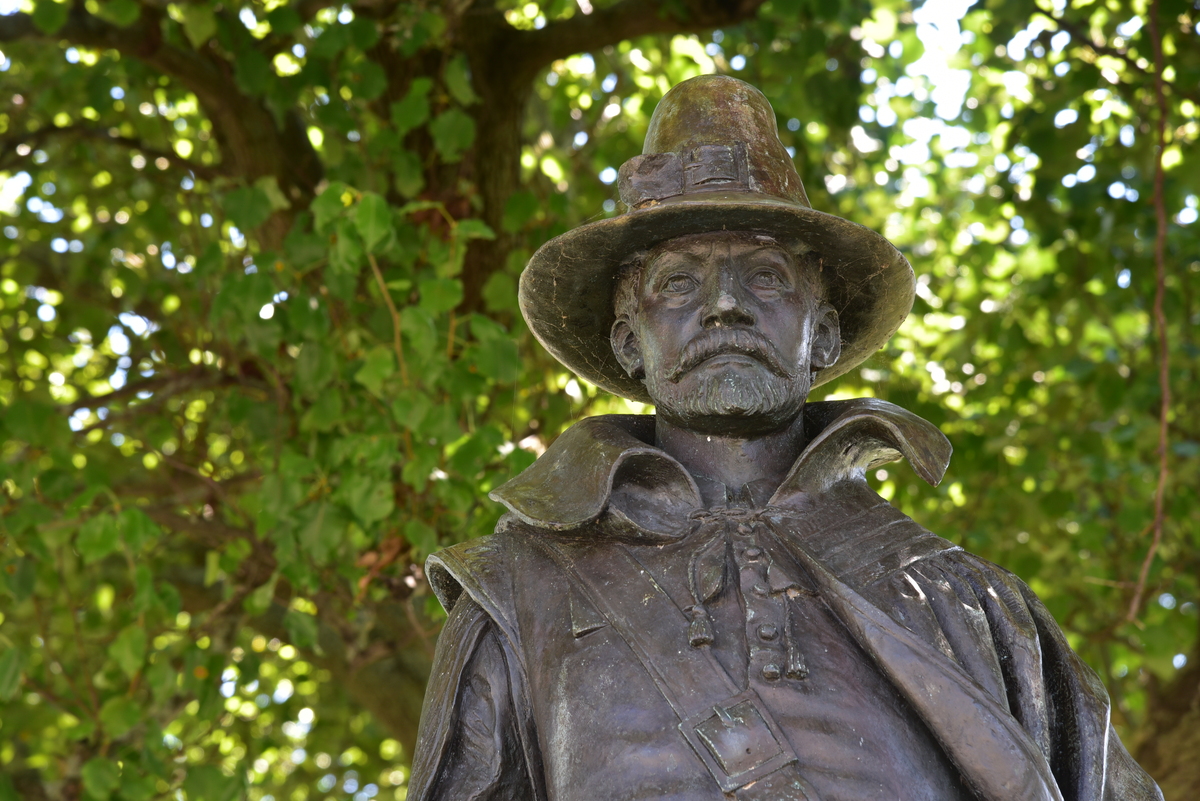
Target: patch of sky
{"type": "Point", "coordinates": [247, 17]}
{"type": "Point", "coordinates": [581, 139]}
{"type": "Point", "coordinates": [1130, 27]}
{"type": "Point", "coordinates": [1123, 278]}
{"type": "Point", "coordinates": [584, 64]}
{"type": "Point", "coordinates": [938, 29]}
{"type": "Point", "coordinates": [206, 220]}
{"type": "Point", "coordinates": [738, 62]}
{"type": "Point", "coordinates": [1127, 135]}
{"type": "Point", "coordinates": [1065, 117]}
{"type": "Point", "coordinates": [713, 49]}
{"type": "Point", "coordinates": [609, 83]}
{"type": "Point", "coordinates": [608, 175]}
{"type": "Point", "coordinates": [137, 324]}
{"type": "Point", "coordinates": [11, 189]}
{"type": "Point", "coordinates": [118, 342]}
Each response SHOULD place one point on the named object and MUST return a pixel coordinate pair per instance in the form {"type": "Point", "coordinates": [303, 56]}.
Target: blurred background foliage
{"type": "Point", "coordinates": [261, 355]}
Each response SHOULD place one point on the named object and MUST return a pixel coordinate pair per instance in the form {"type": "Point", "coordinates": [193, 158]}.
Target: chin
{"type": "Point", "coordinates": [730, 401]}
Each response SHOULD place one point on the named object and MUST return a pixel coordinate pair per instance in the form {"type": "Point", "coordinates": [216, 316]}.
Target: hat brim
{"type": "Point", "coordinates": [566, 290]}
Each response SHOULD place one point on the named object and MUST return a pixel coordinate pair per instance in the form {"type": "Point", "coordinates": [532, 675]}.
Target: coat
{"type": "Point", "coordinates": [590, 695]}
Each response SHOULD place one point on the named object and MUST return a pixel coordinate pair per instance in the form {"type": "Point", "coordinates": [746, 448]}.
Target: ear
{"type": "Point", "coordinates": [827, 338]}
{"type": "Point", "coordinates": [625, 346]}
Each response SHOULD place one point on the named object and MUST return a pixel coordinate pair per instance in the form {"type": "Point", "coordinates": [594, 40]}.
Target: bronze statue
{"type": "Point", "coordinates": [711, 602]}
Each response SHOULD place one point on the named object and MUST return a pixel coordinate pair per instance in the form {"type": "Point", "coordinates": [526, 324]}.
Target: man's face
{"type": "Point", "coordinates": [727, 331]}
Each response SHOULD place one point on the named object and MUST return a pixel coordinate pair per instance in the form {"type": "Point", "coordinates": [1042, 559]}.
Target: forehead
{"type": "Point", "coordinates": [712, 250]}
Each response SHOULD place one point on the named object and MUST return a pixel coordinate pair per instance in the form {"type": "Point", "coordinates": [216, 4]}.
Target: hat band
{"type": "Point", "coordinates": [648, 179]}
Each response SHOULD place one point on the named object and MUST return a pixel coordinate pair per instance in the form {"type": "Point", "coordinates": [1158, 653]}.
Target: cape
{"type": "Point", "coordinates": [966, 643]}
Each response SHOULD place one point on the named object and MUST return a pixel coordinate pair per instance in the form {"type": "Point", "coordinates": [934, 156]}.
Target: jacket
{"type": "Point", "coordinates": [593, 707]}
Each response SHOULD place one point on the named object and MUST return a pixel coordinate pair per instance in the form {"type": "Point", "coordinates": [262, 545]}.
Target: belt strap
{"type": "Point", "coordinates": [731, 730]}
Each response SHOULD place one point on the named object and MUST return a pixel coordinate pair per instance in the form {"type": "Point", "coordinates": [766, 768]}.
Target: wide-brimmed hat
{"type": "Point", "coordinates": [712, 162]}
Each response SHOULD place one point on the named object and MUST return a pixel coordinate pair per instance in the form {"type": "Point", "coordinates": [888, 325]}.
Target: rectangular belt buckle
{"type": "Point", "coordinates": [738, 741]}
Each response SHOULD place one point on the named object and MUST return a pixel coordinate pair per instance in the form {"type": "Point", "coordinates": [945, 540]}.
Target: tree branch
{"type": "Point", "coordinates": [8, 146]}
{"type": "Point", "coordinates": [1160, 317]}
{"type": "Point", "coordinates": [528, 51]}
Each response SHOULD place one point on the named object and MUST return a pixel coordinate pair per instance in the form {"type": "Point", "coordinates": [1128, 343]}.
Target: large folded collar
{"type": "Point", "coordinates": [605, 469]}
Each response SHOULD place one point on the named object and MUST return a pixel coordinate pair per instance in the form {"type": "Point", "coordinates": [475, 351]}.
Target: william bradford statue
{"type": "Point", "coordinates": [712, 603]}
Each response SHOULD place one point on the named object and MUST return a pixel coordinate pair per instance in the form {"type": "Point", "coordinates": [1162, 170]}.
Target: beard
{"type": "Point", "coordinates": [726, 400]}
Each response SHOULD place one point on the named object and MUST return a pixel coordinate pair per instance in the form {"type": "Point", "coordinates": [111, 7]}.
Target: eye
{"type": "Point", "coordinates": [679, 282]}
{"type": "Point", "coordinates": [766, 279]}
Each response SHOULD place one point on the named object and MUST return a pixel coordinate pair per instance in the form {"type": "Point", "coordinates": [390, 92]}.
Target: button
{"type": "Point", "coordinates": [771, 672]}
{"type": "Point", "coordinates": [753, 553]}
{"type": "Point", "coordinates": [768, 631]}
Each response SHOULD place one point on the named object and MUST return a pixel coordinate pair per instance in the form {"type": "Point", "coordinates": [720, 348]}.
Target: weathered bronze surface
{"type": "Point", "coordinates": [711, 602]}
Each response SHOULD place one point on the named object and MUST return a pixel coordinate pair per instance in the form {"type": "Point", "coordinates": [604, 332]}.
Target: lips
{"type": "Point", "coordinates": [728, 342]}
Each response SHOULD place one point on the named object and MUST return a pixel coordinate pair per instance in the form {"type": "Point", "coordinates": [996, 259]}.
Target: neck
{"type": "Point", "coordinates": [731, 459]}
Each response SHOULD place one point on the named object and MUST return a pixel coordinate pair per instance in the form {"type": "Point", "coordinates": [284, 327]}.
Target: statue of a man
{"type": "Point", "coordinates": [712, 603]}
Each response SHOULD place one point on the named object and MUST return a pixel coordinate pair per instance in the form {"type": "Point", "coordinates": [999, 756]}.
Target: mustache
{"type": "Point", "coordinates": [719, 341]}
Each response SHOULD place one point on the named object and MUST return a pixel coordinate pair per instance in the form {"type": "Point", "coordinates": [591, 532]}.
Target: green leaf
{"type": "Point", "coordinates": [284, 19]}
{"type": "Point", "coordinates": [347, 256]}
{"type": "Point", "coordinates": [252, 70]}
{"type": "Point", "coordinates": [458, 80]}
{"type": "Point", "coordinates": [199, 23]}
{"type": "Point", "coordinates": [408, 176]}
{"type": "Point", "coordinates": [161, 678]}
{"type": "Point", "coordinates": [12, 664]}
{"type": "Point", "coordinates": [137, 529]}
{"type": "Point", "coordinates": [440, 294]}
{"type": "Point", "coordinates": [208, 783]}
{"type": "Point", "coordinates": [499, 359]}
{"type": "Point", "coordinates": [7, 791]}
{"type": "Point", "coordinates": [328, 205]}
{"type": "Point", "coordinates": [128, 650]}
{"type": "Point", "coordinates": [49, 16]}
{"type": "Point", "coordinates": [472, 228]}
{"type": "Point", "coordinates": [421, 536]}
{"type": "Point", "coordinates": [324, 531]}
{"type": "Point", "coordinates": [301, 629]}
{"type": "Point", "coordinates": [370, 79]}
{"type": "Point", "coordinates": [269, 185]}
{"type": "Point", "coordinates": [413, 110]}
{"type": "Point", "coordinates": [419, 330]}
{"type": "Point", "coordinates": [519, 209]}
{"type": "Point", "coordinates": [410, 407]}
{"type": "Point", "coordinates": [370, 499]}
{"type": "Point", "coordinates": [260, 599]}
{"type": "Point", "coordinates": [120, 714]}
{"type": "Point", "coordinates": [315, 368]}
{"type": "Point", "coordinates": [373, 218]}
{"type": "Point", "coordinates": [453, 132]}
{"type": "Point", "coordinates": [100, 777]}
{"type": "Point", "coordinates": [122, 13]}
{"type": "Point", "coordinates": [21, 575]}
{"type": "Point", "coordinates": [324, 414]}
{"type": "Point", "coordinates": [247, 207]}
{"type": "Point", "coordinates": [138, 788]}
{"type": "Point", "coordinates": [98, 537]}
{"type": "Point", "coordinates": [379, 365]}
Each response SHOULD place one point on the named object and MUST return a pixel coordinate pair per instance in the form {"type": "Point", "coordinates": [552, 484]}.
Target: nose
{"type": "Point", "coordinates": [726, 304]}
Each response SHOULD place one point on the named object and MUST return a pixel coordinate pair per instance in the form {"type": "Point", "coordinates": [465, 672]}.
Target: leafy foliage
{"type": "Point", "coordinates": [261, 353]}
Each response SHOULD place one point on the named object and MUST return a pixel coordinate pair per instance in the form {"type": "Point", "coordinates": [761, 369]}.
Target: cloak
{"type": "Point", "coordinates": [588, 693]}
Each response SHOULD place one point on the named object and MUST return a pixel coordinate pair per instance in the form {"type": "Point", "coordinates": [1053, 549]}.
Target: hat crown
{"type": "Point", "coordinates": [712, 133]}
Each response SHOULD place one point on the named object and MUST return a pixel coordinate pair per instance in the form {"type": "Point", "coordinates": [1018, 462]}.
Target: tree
{"type": "Point", "coordinates": [261, 353]}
